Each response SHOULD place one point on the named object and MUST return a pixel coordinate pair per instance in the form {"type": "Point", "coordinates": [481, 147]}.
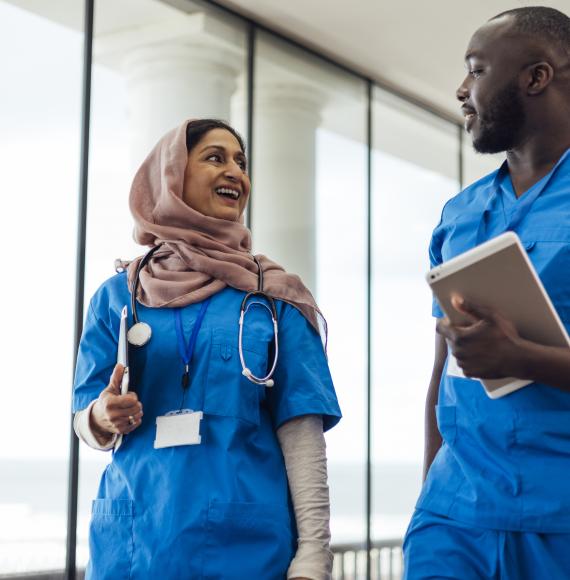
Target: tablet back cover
{"type": "Point", "coordinates": [500, 276]}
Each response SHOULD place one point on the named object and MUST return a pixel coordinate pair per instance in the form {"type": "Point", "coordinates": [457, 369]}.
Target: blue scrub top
{"type": "Point", "coordinates": [221, 508]}
{"type": "Point", "coordinates": [504, 463]}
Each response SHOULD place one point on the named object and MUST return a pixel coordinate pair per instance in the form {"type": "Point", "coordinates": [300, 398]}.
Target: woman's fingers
{"type": "Point", "coordinates": [112, 412]}
{"type": "Point", "coordinates": [130, 423]}
{"type": "Point", "coordinates": [124, 402]}
{"type": "Point", "coordinates": [134, 421]}
{"type": "Point", "coordinates": [116, 413]}
{"type": "Point", "coordinates": [126, 420]}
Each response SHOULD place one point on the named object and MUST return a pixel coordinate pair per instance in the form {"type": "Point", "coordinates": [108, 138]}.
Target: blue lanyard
{"type": "Point", "coordinates": [186, 351]}
{"type": "Point", "coordinates": [522, 206]}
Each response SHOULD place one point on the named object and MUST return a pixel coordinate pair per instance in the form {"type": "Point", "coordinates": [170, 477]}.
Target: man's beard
{"type": "Point", "coordinates": [501, 124]}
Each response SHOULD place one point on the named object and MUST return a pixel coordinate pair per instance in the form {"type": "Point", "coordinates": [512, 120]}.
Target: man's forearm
{"type": "Point", "coordinates": [432, 441]}
{"type": "Point", "coordinates": [549, 365]}
{"type": "Point", "coordinates": [432, 435]}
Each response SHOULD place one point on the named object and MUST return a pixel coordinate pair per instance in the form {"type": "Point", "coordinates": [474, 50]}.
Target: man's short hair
{"type": "Point", "coordinates": [549, 24]}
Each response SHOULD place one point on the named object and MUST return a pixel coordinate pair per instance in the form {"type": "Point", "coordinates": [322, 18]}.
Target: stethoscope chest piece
{"type": "Point", "coordinates": [139, 334]}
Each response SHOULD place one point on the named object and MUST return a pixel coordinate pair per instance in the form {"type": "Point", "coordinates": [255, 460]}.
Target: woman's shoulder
{"type": "Point", "coordinates": [112, 292]}
{"type": "Point", "coordinates": [230, 298]}
{"type": "Point", "coordinates": [297, 327]}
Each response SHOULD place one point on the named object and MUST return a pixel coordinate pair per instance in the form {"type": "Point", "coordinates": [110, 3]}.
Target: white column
{"type": "Point", "coordinates": [172, 82]}
{"type": "Point", "coordinates": [286, 117]}
{"type": "Point", "coordinates": [180, 67]}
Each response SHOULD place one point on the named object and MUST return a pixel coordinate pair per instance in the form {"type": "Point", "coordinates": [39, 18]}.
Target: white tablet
{"type": "Point", "coordinates": [499, 275]}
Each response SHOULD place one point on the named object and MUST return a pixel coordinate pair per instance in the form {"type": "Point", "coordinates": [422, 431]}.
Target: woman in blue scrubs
{"type": "Point", "coordinates": [239, 491]}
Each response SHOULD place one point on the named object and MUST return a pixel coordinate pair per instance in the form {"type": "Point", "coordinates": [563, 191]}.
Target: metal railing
{"type": "Point", "coordinates": [386, 561]}
{"type": "Point", "coordinates": [43, 575]}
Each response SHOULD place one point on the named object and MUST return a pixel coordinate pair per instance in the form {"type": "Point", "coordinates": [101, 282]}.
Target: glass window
{"type": "Point", "coordinates": [39, 147]}
{"type": "Point", "coordinates": [309, 214]}
{"type": "Point", "coordinates": [152, 69]}
{"type": "Point", "coordinates": [415, 171]}
{"type": "Point", "coordinates": [477, 165]}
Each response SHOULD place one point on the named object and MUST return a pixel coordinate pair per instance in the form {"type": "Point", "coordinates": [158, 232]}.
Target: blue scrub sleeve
{"type": "Point", "coordinates": [303, 383]}
{"type": "Point", "coordinates": [435, 259]}
{"type": "Point", "coordinates": [96, 359]}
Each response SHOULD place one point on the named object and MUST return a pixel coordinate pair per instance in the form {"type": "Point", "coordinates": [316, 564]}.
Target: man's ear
{"type": "Point", "coordinates": [537, 77]}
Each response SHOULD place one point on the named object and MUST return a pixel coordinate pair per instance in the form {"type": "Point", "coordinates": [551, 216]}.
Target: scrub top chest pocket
{"type": "Point", "coordinates": [227, 392]}
{"type": "Point", "coordinates": [549, 251]}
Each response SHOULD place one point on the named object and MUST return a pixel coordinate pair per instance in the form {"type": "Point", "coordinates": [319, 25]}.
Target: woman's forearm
{"type": "Point", "coordinates": [304, 450]}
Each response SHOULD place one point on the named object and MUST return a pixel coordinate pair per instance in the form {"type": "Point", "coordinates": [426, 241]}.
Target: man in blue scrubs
{"type": "Point", "coordinates": [496, 498]}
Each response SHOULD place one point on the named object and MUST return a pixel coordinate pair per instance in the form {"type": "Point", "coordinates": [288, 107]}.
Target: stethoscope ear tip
{"type": "Point", "coordinates": [269, 383]}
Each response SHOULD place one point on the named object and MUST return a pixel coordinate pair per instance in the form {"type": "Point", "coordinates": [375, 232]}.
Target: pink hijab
{"type": "Point", "coordinates": [199, 255]}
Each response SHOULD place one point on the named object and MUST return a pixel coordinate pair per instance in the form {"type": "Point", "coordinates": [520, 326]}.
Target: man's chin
{"type": "Point", "coordinates": [494, 138]}
{"type": "Point", "coordinates": [486, 146]}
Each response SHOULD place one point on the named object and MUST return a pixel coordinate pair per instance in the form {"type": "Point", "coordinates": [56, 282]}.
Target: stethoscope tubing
{"type": "Point", "coordinates": [142, 264]}
{"type": "Point", "coordinates": [246, 372]}
{"type": "Point", "coordinates": [245, 305]}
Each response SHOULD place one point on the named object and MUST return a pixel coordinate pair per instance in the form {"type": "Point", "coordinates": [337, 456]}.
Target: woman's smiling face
{"type": "Point", "coordinates": [216, 182]}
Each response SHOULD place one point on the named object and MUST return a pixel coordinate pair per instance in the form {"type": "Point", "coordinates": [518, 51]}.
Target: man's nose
{"type": "Point", "coordinates": [462, 92]}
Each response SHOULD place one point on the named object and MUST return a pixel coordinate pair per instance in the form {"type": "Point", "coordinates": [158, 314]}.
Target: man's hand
{"type": "Point", "coordinates": [488, 347]}
{"type": "Point", "coordinates": [113, 412]}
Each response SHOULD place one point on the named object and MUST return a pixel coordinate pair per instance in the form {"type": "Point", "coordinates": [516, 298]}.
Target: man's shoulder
{"type": "Point", "coordinates": [473, 196]}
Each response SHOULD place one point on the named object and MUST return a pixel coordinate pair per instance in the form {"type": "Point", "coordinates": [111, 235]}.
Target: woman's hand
{"type": "Point", "coordinates": [488, 348]}
{"type": "Point", "coordinates": [113, 412]}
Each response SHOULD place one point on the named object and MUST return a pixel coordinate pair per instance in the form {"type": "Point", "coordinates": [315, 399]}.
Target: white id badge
{"type": "Point", "coordinates": [178, 429]}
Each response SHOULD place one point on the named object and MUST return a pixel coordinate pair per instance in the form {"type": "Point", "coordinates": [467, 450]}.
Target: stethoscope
{"type": "Point", "coordinates": [246, 304]}
{"type": "Point", "coordinates": [140, 332]}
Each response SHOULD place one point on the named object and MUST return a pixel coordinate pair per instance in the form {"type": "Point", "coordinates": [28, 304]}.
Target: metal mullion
{"type": "Point", "coordinates": [250, 72]}
{"type": "Point", "coordinates": [73, 475]}
{"type": "Point", "coordinates": [370, 89]}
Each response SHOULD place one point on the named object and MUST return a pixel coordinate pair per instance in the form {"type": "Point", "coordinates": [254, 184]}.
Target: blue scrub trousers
{"type": "Point", "coordinates": [437, 547]}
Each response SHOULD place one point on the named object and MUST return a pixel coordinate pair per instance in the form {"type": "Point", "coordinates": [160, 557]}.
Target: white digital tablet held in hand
{"type": "Point", "coordinates": [499, 275]}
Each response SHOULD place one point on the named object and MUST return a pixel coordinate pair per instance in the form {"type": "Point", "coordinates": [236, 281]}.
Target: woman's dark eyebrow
{"type": "Point", "coordinates": [222, 149]}
{"type": "Point", "coordinates": [218, 147]}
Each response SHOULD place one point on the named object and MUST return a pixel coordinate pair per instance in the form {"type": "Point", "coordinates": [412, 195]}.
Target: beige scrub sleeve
{"type": "Point", "coordinates": [304, 450]}
{"type": "Point", "coordinates": [82, 428]}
